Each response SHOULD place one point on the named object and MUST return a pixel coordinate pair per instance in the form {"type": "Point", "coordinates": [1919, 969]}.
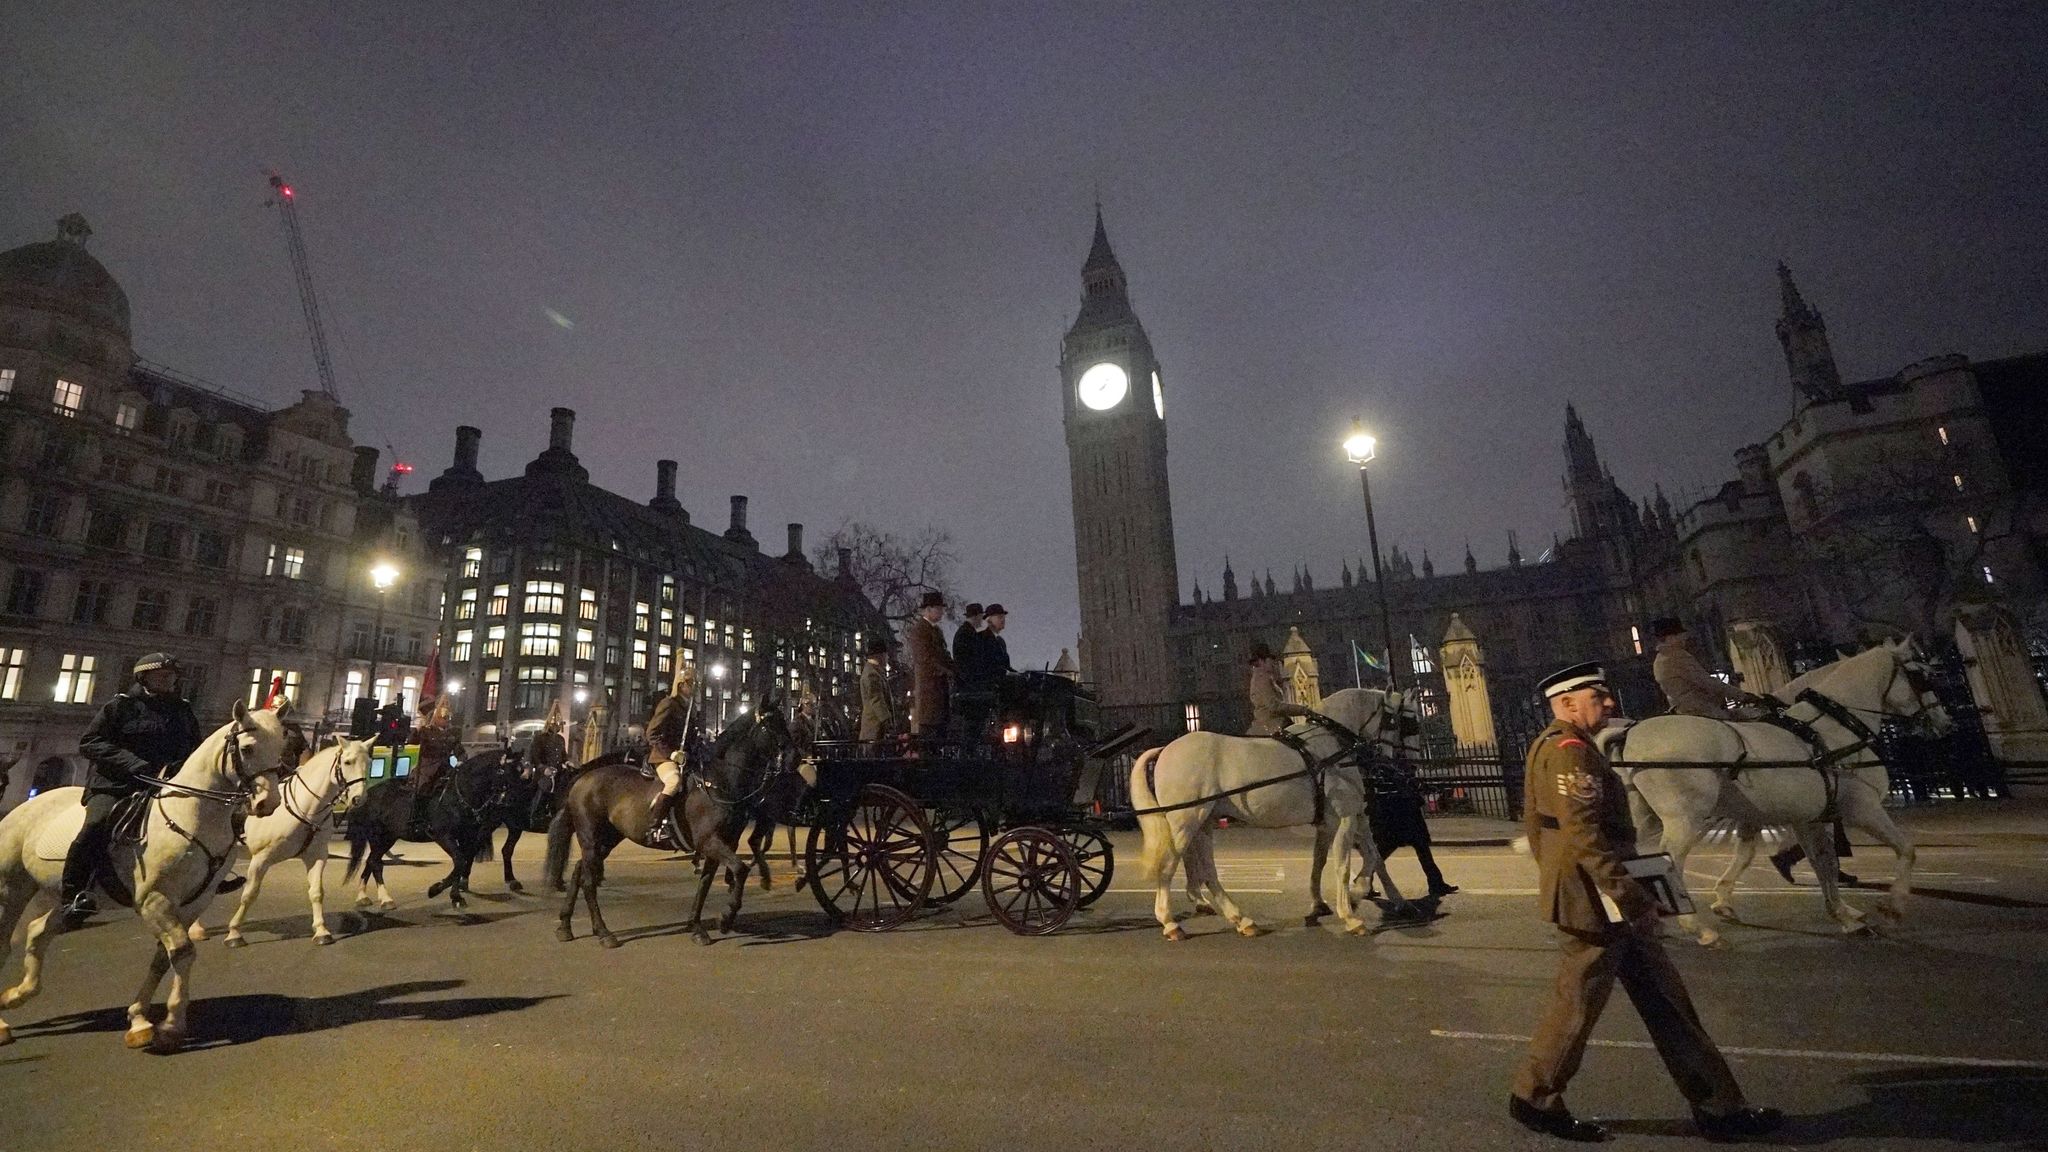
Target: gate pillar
{"type": "Point", "coordinates": [1464, 668]}
{"type": "Point", "coordinates": [1754, 650]}
{"type": "Point", "coordinates": [1303, 679]}
{"type": "Point", "coordinates": [2002, 683]}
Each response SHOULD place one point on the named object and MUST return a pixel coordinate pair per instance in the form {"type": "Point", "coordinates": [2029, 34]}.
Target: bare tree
{"type": "Point", "coordinates": [893, 571]}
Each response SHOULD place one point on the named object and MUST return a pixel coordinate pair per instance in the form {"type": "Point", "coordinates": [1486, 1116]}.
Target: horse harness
{"type": "Point", "coordinates": [310, 825]}
{"type": "Point", "coordinates": [1314, 769]}
{"type": "Point", "coordinates": [231, 754]}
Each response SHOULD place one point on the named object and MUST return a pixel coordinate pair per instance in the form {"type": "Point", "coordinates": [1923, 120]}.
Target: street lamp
{"type": "Point", "coordinates": [383, 575]}
{"type": "Point", "coordinates": [1358, 447]}
{"type": "Point", "coordinates": [718, 673]}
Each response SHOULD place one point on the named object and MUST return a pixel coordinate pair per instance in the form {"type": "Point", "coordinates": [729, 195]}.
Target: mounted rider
{"type": "Point", "coordinates": [439, 742]}
{"type": "Point", "coordinates": [1270, 706]}
{"type": "Point", "coordinates": [669, 732]}
{"type": "Point", "coordinates": [546, 755]}
{"type": "Point", "coordinates": [134, 737]}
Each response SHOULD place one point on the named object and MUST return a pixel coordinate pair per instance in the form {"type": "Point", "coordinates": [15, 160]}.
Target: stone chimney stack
{"type": "Point", "coordinates": [796, 540]}
{"type": "Point", "coordinates": [846, 563]}
{"type": "Point", "coordinates": [363, 476]}
{"type": "Point", "coordinates": [558, 460]}
{"type": "Point", "coordinates": [737, 532]}
{"type": "Point", "coordinates": [665, 490]}
{"type": "Point", "coordinates": [463, 470]}
{"type": "Point", "coordinates": [561, 429]}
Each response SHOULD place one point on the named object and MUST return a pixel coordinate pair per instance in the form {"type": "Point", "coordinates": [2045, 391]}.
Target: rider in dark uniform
{"type": "Point", "coordinates": [137, 734]}
{"type": "Point", "coordinates": [545, 758]}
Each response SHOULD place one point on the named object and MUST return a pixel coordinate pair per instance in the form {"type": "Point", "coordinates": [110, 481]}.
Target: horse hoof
{"type": "Point", "coordinates": [701, 936]}
{"type": "Point", "coordinates": [11, 998]}
{"type": "Point", "coordinates": [167, 1041]}
{"type": "Point", "coordinates": [6, 1035]}
{"type": "Point", "coordinates": [1724, 911]}
{"type": "Point", "coordinates": [1250, 930]}
{"type": "Point", "coordinates": [1321, 909]}
{"type": "Point", "coordinates": [1713, 940]}
{"type": "Point", "coordinates": [387, 905]}
{"type": "Point", "coordinates": [1358, 929]}
{"type": "Point", "coordinates": [140, 1036]}
{"type": "Point", "coordinates": [514, 886]}
{"type": "Point", "coordinates": [362, 901]}
{"type": "Point", "coordinates": [608, 940]}
{"type": "Point", "coordinates": [435, 889]}
{"type": "Point", "coordinates": [235, 941]}
{"type": "Point", "coordinates": [196, 933]}
{"type": "Point", "coordinates": [323, 938]}
{"type": "Point", "coordinates": [1311, 920]}
{"type": "Point", "coordinates": [726, 923]}
{"type": "Point", "coordinates": [1175, 934]}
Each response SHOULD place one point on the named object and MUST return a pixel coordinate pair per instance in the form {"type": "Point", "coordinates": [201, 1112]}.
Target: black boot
{"type": "Point", "coordinates": [661, 833]}
{"type": "Point", "coordinates": [1783, 861]}
{"type": "Point", "coordinates": [229, 883]}
{"type": "Point", "coordinates": [1732, 1126]}
{"type": "Point", "coordinates": [75, 910]}
{"type": "Point", "coordinates": [1561, 1124]}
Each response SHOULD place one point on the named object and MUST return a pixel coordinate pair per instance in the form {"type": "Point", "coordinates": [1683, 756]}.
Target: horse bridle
{"type": "Point", "coordinates": [775, 771]}
{"type": "Point", "coordinates": [339, 776]}
{"type": "Point", "coordinates": [231, 754]}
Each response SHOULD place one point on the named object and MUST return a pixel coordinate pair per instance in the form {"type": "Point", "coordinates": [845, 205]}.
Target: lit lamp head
{"type": "Point", "coordinates": [455, 687]}
{"type": "Point", "coordinates": [1358, 447]}
{"type": "Point", "coordinates": [718, 671]}
{"type": "Point", "coordinates": [384, 575]}
{"type": "Point", "coordinates": [582, 696]}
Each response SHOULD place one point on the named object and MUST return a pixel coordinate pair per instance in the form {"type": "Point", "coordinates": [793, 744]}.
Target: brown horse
{"type": "Point", "coordinates": [608, 805]}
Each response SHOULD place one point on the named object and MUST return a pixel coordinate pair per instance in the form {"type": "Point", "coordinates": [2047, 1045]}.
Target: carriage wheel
{"type": "Point", "coordinates": [962, 840]}
{"type": "Point", "coordinates": [1031, 881]}
{"type": "Point", "coordinates": [872, 871]}
{"type": "Point", "coordinates": [1096, 859]}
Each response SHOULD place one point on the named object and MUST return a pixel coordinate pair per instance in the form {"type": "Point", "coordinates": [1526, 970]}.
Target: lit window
{"type": "Point", "coordinates": [1418, 656]}
{"type": "Point", "coordinates": [472, 563]}
{"type": "Point", "coordinates": [1958, 480]}
{"type": "Point", "coordinates": [465, 607]}
{"type": "Point", "coordinates": [74, 679]}
{"type": "Point", "coordinates": [640, 616]}
{"type": "Point", "coordinates": [465, 640]}
{"type": "Point", "coordinates": [1988, 577]}
{"type": "Point", "coordinates": [490, 689]}
{"type": "Point", "coordinates": [354, 691]}
{"type": "Point", "coordinates": [587, 608]}
{"type": "Point", "coordinates": [127, 417]}
{"type": "Point", "coordinates": [1943, 433]}
{"type": "Point", "coordinates": [540, 639]}
{"type": "Point", "coordinates": [1635, 638]}
{"type": "Point", "coordinates": [13, 661]}
{"type": "Point", "coordinates": [6, 383]}
{"type": "Point", "coordinates": [668, 623]}
{"type": "Point", "coordinates": [501, 598]}
{"type": "Point", "coordinates": [689, 627]}
{"type": "Point", "coordinates": [289, 563]}
{"type": "Point", "coordinates": [543, 598]}
{"type": "Point", "coordinates": [1971, 521]}
{"type": "Point", "coordinates": [639, 654]}
{"type": "Point", "coordinates": [409, 692]}
{"type": "Point", "coordinates": [67, 398]}
{"type": "Point", "coordinates": [586, 644]}
{"type": "Point", "coordinates": [746, 639]}
{"type": "Point", "coordinates": [260, 680]}
{"type": "Point", "coordinates": [1193, 715]}
{"type": "Point", "coordinates": [494, 641]}
{"type": "Point", "coordinates": [664, 658]}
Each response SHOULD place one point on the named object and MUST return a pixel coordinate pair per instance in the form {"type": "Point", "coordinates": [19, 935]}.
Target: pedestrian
{"type": "Point", "coordinates": [1270, 705]}
{"type": "Point", "coordinates": [1576, 817]}
{"type": "Point", "coordinates": [132, 739]}
{"type": "Point", "coordinates": [1397, 821]}
{"type": "Point", "coordinates": [931, 669]}
{"type": "Point", "coordinates": [877, 712]}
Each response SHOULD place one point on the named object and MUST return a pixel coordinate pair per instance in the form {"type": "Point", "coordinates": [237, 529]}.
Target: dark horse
{"type": "Point", "coordinates": [466, 807]}
{"type": "Point", "coordinates": [610, 804]}
{"type": "Point", "coordinates": [530, 803]}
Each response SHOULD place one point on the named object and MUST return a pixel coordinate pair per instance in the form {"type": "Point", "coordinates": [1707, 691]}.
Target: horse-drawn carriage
{"type": "Point", "coordinates": [894, 829]}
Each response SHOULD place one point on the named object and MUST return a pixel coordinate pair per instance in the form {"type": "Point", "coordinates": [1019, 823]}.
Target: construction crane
{"type": "Point", "coordinates": [310, 301]}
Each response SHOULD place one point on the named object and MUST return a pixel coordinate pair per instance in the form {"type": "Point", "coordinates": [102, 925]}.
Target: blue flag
{"type": "Point", "coordinates": [1370, 662]}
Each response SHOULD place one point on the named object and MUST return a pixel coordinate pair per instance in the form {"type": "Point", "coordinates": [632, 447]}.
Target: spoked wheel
{"type": "Point", "coordinates": [874, 870]}
{"type": "Point", "coordinates": [962, 840]}
{"type": "Point", "coordinates": [1096, 859]}
{"type": "Point", "coordinates": [1031, 881]}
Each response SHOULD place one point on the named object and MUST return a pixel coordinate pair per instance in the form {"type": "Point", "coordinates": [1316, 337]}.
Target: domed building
{"type": "Point", "coordinates": [144, 510]}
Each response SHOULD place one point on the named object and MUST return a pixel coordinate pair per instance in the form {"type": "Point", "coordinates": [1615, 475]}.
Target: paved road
{"type": "Point", "coordinates": [423, 1030]}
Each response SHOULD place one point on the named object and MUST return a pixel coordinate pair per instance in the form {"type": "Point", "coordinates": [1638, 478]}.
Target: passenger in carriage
{"type": "Point", "coordinates": [1270, 706]}
{"type": "Point", "coordinates": [877, 711]}
{"type": "Point", "coordinates": [981, 672]}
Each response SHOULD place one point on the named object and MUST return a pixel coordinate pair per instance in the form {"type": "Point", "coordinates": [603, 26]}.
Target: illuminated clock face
{"type": "Point", "coordinates": [1103, 386]}
{"type": "Point", "coordinates": [1158, 397]}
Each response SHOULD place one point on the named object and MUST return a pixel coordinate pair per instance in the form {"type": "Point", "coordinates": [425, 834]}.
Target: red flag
{"type": "Point", "coordinates": [276, 691]}
{"type": "Point", "coordinates": [430, 682]}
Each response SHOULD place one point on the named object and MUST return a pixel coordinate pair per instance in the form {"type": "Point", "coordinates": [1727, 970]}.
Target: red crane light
{"type": "Point", "coordinates": [402, 468]}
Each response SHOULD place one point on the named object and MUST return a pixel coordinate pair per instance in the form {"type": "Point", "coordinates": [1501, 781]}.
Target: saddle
{"type": "Point", "coordinates": [126, 838]}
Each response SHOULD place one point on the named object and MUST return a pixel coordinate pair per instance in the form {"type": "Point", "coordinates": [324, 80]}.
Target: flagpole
{"type": "Point", "coordinates": [1357, 680]}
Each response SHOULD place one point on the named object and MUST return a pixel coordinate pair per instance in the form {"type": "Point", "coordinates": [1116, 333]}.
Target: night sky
{"type": "Point", "coordinates": [823, 255]}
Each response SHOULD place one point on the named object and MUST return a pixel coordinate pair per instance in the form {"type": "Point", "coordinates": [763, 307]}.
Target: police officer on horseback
{"type": "Point", "coordinates": [134, 737]}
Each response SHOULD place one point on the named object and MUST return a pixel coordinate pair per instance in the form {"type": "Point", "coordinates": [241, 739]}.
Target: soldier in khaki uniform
{"type": "Point", "coordinates": [931, 668]}
{"type": "Point", "coordinates": [1576, 817]}
{"type": "Point", "coordinates": [1270, 705]}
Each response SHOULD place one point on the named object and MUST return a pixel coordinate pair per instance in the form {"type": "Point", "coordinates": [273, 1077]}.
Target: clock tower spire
{"type": "Point", "coordinates": [1115, 407]}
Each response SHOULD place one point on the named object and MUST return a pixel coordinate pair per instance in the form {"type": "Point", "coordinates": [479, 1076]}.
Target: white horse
{"type": "Point", "coordinates": [300, 829]}
{"type": "Point", "coordinates": [188, 836]}
{"type": "Point", "coordinates": [1706, 757]}
{"type": "Point", "coordinates": [1205, 775]}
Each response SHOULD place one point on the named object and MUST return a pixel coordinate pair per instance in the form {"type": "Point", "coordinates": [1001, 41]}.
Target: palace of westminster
{"type": "Point", "coordinates": [142, 509]}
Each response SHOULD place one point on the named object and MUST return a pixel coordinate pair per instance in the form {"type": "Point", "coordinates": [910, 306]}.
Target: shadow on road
{"type": "Point", "coordinates": [220, 1021]}
{"type": "Point", "coordinates": [2005, 1107]}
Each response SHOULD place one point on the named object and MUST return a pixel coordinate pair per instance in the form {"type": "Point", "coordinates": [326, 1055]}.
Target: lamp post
{"type": "Point", "coordinates": [1358, 447]}
{"type": "Point", "coordinates": [382, 576]}
{"type": "Point", "coordinates": [718, 674]}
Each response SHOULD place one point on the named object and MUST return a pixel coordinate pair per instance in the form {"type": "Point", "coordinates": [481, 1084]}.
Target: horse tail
{"type": "Point", "coordinates": [560, 829]}
{"type": "Point", "coordinates": [1157, 853]}
{"type": "Point", "coordinates": [358, 847]}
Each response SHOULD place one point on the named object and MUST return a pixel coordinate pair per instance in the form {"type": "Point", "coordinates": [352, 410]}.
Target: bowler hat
{"type": "Point", "coordinates": [1664, 626]}
{"type": "Point", "coordinates": [994, 610]}
{"type": "Point", "coordinates": [932, 599]}
{"type": "Point", "coordinates": [878, 646]}
{"type": "Point", "coordinates": [1260, 651]}
{"type": "Point", "coordinates": [971, 610]}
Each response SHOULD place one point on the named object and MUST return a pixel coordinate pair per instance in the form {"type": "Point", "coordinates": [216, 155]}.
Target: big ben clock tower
{"type": "Point", "coordinates": [1115, 404]}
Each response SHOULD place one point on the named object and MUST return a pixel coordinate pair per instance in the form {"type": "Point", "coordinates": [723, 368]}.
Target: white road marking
{"type": "Point", "coordinates": [1789, 1053]}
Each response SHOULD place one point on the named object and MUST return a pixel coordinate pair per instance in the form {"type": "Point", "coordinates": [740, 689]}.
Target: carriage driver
{"type": "Point", "coordinates": [137, 734]}
{"type": "Point", "coordinates": [1692, 690]}
{"type": "Point", "coordinates": [1575, 813]}
{"type": "Point", "coordinates": [668, 739]}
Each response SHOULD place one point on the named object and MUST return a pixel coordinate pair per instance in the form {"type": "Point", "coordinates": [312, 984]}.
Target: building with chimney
{"type": "Point", "coordinates": [143, 510]}
{"type": "Point", "coordinates": [561, 591]}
